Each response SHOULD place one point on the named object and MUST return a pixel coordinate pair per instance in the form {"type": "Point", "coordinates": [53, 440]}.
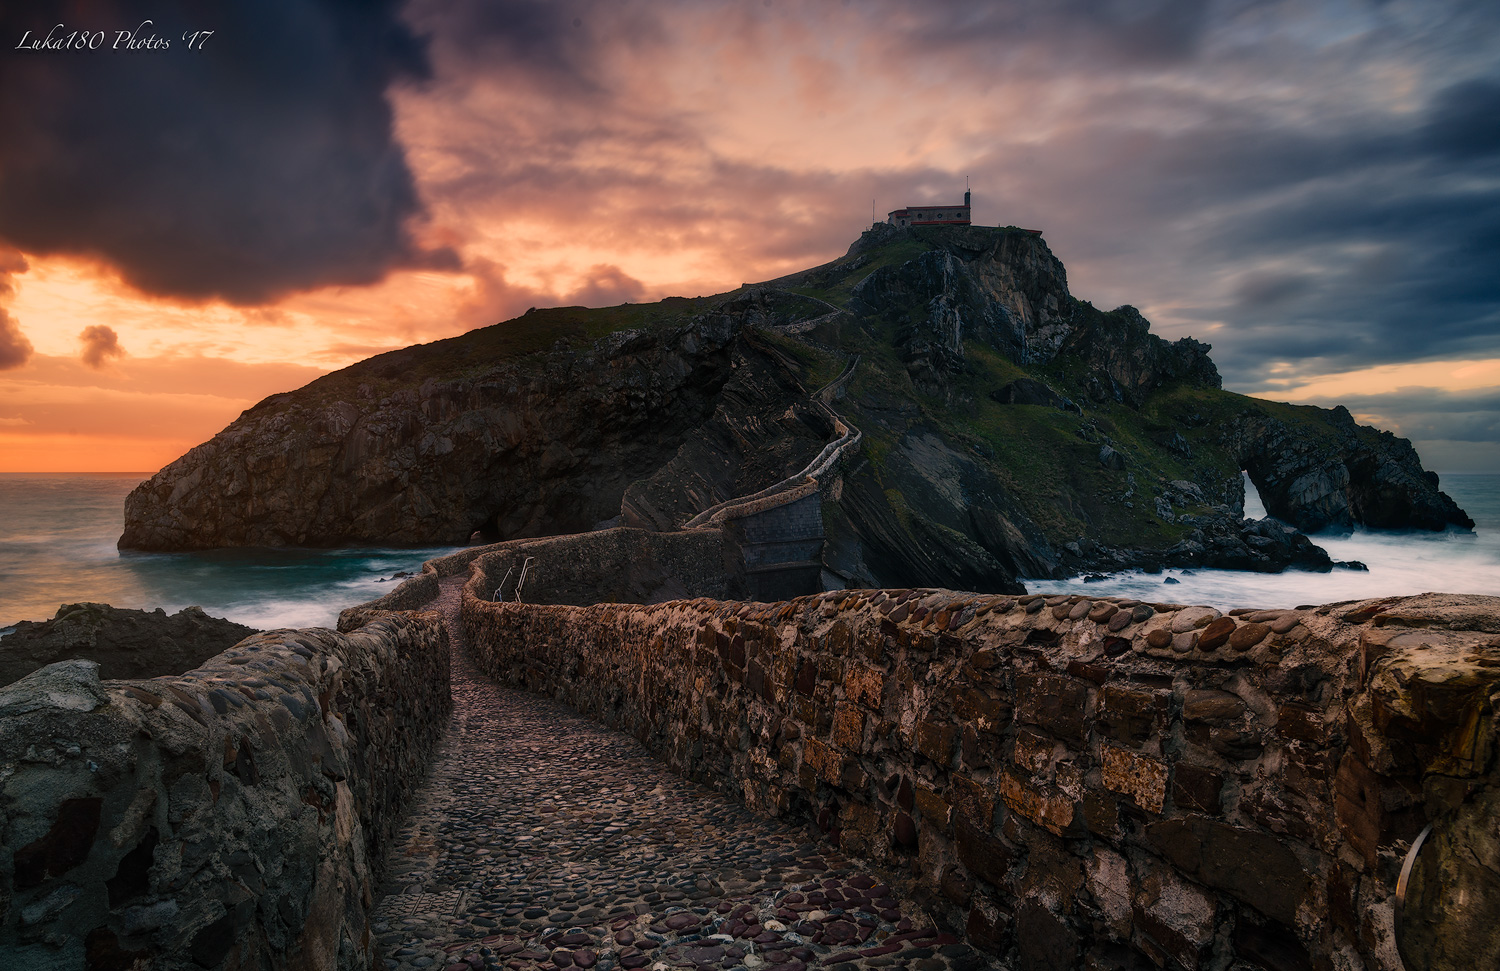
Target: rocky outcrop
{"type": "Point", "coordinates": [1010, 430]}
{"type": "Point", "coordinates": [370, 456]}
{"type": "Point", "coordinates": [233, 816]}
{"type": "Point", "coordinates": [1082, 783]}
{"type": "Point", "coordinates": [124, 643]}
{"type": "Point", "coordinates": [1334, 474]}
{"type": "Point", "coordinates": [1008, 290]}
{"type": "Point", "coordinates": [763, 427]}
{"type": "Point", "coordinates": [1126, 362]}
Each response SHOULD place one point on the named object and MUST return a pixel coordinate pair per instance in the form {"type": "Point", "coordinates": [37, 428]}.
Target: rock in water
{"type": "Point", "coordinates": [124, 643]}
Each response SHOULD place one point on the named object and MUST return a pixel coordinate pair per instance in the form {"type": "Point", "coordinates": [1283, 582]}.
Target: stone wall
{"type": "Point", "coordinates": [781, 547]}
{"type": "Point", "coordinates": [230, 817]}
{"type": "Point", "coordinates": [621, 565]}
{"type": "Point", "coordinates": [1085, 784]}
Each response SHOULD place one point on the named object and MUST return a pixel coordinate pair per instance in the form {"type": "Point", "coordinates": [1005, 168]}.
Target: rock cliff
{"type": "Point", "coordinates": [1009, 430]}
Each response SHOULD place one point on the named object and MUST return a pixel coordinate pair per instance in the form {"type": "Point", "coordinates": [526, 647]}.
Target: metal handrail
{"type": "Point", "coordinates": [521, 581]}
{"type": "Point", "coordinates": [1403, 882]}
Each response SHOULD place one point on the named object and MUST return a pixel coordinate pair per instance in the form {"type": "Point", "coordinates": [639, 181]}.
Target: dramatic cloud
{"type": "Point", "coordinates": [608, 286]}
{"type": "Point", "coordinates": [259, 164]}
{"type": "Point", "coordinates": [1312, 187]}
{"type": "Point", "coordinates": [100, 345]}
{"type": "Point", "coordinates": [15, 349]}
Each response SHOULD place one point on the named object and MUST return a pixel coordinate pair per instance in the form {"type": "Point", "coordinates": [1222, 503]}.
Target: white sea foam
{"type": "Point", "coordinates": [1400, 564]}
{"type": "Point", "coordinates": [57, 546]}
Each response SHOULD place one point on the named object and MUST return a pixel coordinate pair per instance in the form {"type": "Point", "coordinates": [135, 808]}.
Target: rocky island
{"type": "Point", "coordinates": [1007, 430]}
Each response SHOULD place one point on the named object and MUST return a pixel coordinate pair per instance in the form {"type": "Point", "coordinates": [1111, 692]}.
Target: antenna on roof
{"type": "Point", "coordinates": [872, 212]}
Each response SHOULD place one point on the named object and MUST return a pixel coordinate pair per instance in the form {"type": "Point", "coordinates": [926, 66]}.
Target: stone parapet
{"type": "Point", "coordinates": [1085, 783]}
{"type": "Point", "coordinates": [231, 817]}
{"type": "Point", "coordinates": [623, 564]}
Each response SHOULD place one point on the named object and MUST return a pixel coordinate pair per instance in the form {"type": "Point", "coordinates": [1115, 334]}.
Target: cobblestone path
{"type": "Point", "coordinates": [543, 840]}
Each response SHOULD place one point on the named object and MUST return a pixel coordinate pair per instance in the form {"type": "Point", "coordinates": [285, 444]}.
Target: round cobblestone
{"type": "Point", "coordinates": [542, 840]}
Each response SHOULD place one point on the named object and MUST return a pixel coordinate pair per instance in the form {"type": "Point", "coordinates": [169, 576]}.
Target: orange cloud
{"type": "Point", "coordinates": [15, 349]}
{"type": "Point", "coordinates": [100, 345]}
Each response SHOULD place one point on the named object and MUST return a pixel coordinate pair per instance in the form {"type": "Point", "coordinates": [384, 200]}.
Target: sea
{"type": "Point", "coordinates": [57, 546]}
{"type": "Point", "coordinates": [58, 534]}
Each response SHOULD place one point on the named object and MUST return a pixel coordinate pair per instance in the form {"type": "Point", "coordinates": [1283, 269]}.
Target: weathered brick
{"type": "Point", "coordinates": [1108, 878]}
{"type": "Point", "coordinates": [825, 761]}
{"type": "Point", "coordinates": [1303, 722]}
{"type": "Point", "coordinates": [955, 885]}
{"type": "Point", "coordinates": [1175, 914]}
{"type": "Point", "coordinates": [840, 638]}
{"type": "Point", "coordinates": [1308, 772]}
{"type": "Point", "coordinates": [1141, 779]}
{"type": "Point", "coordinates": [904, 831]}
{"type": "Point", "coordinates": [933, 808]}
{"type": "Point", "coordinates": [863, 685]}
{"type": "Point", "coordinates": [1056, 703]}
{"type": "Point", "coordinates": [732, 650]}
{"type": "Point", "coordinates": [1195, 788]}
{"type": "Point", "coordinates": [1213, 707]}
{"type": "Point", "coordinates": [860, 826]}
{"type": "Point", "coordinates": [988, 925]}
{"type": "Point", "coordinates": [1256, 868]}
{"type": "Point", "coordinates": [985, 856]}
{"type": "Point", "coordinates": [986, 711]}
{"type": "Point", "coordinates": [1056, 811]}
{"type": "Point", "coordinates": [807, 676]}
{"type": "Point", "coordinates": [757, 682]}
{"type": "Point", "coordinates": [848, 727]}
{"type": "Point", "coordinates": [936, 740]}
{"type": "Point", "coordinates": [853, 777]}
{"type": "Point", "coordinates": [1033, 752]}
{"type": "Point", "coordinates": [1130, 715]}
{"type": "Point", "coordinates": [1097, 673]}
{"type": "Point", "coordinates": [980, 750]}
{"type": "Point", "coordinates": [973, 801]}
{"type": "Point", "coordinates": [1101, 814]}
{"type": "Point", "coordinates": [1283, 813]}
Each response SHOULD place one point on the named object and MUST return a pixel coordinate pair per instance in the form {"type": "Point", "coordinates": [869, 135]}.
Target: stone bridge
{"type": "Point", "coordinates": [860, 779]}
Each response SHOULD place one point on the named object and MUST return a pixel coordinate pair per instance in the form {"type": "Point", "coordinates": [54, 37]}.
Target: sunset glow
{"type": "Point", "coordinates": [1287, 183]}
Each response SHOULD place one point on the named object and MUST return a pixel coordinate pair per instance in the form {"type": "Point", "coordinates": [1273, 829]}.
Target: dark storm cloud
{"type": "Point", "coordinates": [1357, 240]}
{"type": "Point", "coordinates": [1231, 157]}
{"type": "Point", "coordinates": [1465, 119]}
{"type": "Point", "coordinates": [262, 164]}
{"type": "Point", "coordinates": [1113, 32]}
{"type": "Point", "coordinates": [1396, 249]}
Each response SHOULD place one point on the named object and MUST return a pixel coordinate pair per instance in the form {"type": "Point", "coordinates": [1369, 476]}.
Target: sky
{"type": "Point", "coordinates": [202, 204]}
